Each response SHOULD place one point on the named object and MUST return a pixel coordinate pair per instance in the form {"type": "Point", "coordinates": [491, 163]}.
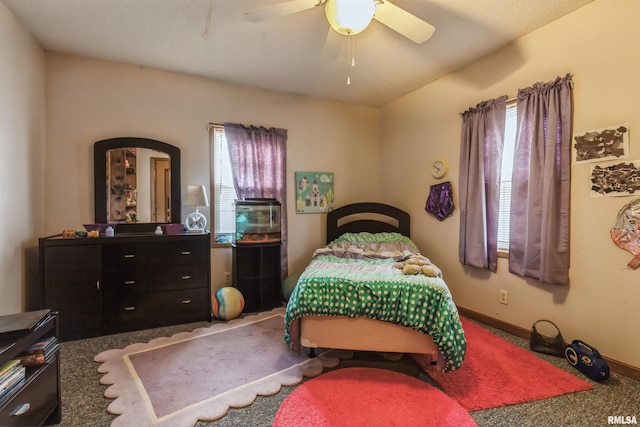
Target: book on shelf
{"type": "Point", "coordinates": [40, 347]}
{"type": "Point", "coordinates": [12, 380]}
{"type": "Point", "coordinates": [8, 367]}
{"type": "Point", "coordinates": [12, 374]}
{"type": "Point", "coordinates": [39, 357]}
{"type": "Point", "coordinates": [9, 371]}
{"type": "Point", "coordinates": [6, 395]}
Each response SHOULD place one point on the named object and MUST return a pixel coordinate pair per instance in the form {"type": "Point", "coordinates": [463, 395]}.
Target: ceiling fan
{"type": "Point", "coordinates": [349, 17]}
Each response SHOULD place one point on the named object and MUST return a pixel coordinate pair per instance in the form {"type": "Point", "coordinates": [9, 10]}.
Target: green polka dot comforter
{"type": "Point", "coordinates": [355, 276]}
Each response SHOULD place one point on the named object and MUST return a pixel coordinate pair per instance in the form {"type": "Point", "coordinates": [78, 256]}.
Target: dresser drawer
{"type": "Point", "coordinates": [125, 256]}
{"type": "Point", "coordinates": [130, 280]}
{"type": "Point", "coordinates": [142, 306]}
{"type": "Point", "coordinates": [178, 277]}
{"type": "Point", "coordinates": [159, 255]}
{"type": "Point", "coordinates": [172, 277]}
{"type": "Point", "coordinates": [185, 252]}
{"type": "Point", "coordinates": [35, 401]}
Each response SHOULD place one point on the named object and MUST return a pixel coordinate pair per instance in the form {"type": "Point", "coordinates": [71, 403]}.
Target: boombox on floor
{"type": "Point", "coordinates": [587, 360]}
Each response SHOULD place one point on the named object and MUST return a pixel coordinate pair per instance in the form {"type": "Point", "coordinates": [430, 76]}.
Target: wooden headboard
{"type": "Point", "coordinates": [399, 220]}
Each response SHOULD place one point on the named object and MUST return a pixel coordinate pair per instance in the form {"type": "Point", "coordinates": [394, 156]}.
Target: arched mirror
{"type": "Point", "coordinates": [137, 183]}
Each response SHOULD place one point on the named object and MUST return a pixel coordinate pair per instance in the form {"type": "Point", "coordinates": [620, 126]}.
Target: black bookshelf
{"type": "Point", "coordinates": [36, 400]}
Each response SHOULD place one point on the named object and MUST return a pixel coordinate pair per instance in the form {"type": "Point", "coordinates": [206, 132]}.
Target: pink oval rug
{"type": "Point", "coordinates": [369, 397]}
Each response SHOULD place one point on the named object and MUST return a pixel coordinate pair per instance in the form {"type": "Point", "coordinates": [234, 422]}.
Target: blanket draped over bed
{"type": "Point", "coordinates": [355, 275]}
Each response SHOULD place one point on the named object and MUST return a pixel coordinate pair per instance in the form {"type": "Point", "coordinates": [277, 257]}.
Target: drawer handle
{"type": "Point", "coordinates": [129, 282]}
{"type": "Point", "coordinates": [186, 252]}
{"type": "Point", "coordinates": [187, 301]}
{"type": "Point", "coordinates": [130, 308]}
{"type": "Point", "coordinates": [20, 410]}
{"type": "Point", "coordinates": [130, 256]}
{"type": "Point", "coordinates": [98, 284]}
{"type": "Point", "coordinates": [186, 277]}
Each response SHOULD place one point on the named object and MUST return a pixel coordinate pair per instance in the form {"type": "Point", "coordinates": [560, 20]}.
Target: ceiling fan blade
{"type": "Point", "coordinates": [332, 45]}
{"type": "Point", "coordinates": [403, 22]}
{"type": "Point", "coordinates": [282, 9]}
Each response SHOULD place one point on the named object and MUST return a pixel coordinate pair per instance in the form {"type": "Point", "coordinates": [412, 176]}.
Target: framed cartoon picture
{"type": "Point", "coordinates": [314, 192]}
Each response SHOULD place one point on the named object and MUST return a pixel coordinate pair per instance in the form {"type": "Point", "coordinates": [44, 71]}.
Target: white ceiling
{"type": "Point", "coordinates": [213, 39]}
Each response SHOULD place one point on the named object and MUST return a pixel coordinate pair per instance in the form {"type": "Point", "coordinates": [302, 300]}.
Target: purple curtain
{"type": "Point", "coordinates": [481, 145]}
{"type": "Point", "coordinates": [539, 230]}
{"type": "Point", "coordinates": [259, 163]}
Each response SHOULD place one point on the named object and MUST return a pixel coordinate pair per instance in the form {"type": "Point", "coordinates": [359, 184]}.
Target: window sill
{"type": "Point", "coordinates": [221, 245]}
{"type": "Point", "coordinates": [503, 254]}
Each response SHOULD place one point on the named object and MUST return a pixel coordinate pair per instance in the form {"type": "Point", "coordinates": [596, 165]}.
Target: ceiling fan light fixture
{"type": "Point", "coordinates": [350, 17]}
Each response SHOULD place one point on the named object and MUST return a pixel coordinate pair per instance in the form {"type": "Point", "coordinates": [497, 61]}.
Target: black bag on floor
{"type": "Point", "coordinates": [587, 360]}
{"type": "Point", "coordinates": [553, 346]}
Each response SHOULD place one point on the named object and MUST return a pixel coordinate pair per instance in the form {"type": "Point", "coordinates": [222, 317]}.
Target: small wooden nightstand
{"type": "Point", "coordinates": [256, 273]}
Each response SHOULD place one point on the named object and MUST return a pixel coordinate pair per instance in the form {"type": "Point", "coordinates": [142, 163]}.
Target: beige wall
{"type": "Point", "coordinates": [89, 100]}
{"type": "Point", "coordinates": [22, 125]}
{"type": "Point", "coordinates": [598, 44]}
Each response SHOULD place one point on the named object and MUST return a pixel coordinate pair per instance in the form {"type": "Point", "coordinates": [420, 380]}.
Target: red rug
{"type": "Point", "coordinates": [496, 373]}
{"type": "Point", "coordinates": [369, 397]}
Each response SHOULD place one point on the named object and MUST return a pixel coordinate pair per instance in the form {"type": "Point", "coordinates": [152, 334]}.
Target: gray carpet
{"type": "Point", "coordinates": [83, 403]}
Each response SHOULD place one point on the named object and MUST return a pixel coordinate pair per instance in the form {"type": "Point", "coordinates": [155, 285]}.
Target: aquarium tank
{"type": "Point", "coordinates": [257, 221]}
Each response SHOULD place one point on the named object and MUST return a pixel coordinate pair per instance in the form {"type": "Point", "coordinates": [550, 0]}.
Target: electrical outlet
{"type": "Point", "coordinates": [504, 297]}
{"type": "Point", "coordinates": [227, 277]}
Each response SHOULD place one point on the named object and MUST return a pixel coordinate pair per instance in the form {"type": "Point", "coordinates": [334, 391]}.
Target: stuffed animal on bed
{"type": "Point", "coordinates": [418, 264]}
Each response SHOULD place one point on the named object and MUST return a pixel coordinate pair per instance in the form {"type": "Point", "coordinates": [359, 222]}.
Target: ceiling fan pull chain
{"type": "Point", "coordinates": [205, 33]}
{"type": "Point", "coordinates": [351, 60]}
{"type": "Point", "coordinates": [353, 50]}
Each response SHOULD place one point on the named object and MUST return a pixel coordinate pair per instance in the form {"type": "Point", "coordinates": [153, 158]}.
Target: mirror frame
{"type": "Point", "coordinates": [100, 149]}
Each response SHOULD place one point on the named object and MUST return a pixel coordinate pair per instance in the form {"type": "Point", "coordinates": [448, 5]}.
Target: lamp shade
{"type": "Point", "coordinates": [196, 196]}
{"type": "Point", "coordinates": [349, 17]}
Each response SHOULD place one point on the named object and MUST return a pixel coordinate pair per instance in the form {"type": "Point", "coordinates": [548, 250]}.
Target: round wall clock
{"type": "Point", "coordinates": [439, 168]}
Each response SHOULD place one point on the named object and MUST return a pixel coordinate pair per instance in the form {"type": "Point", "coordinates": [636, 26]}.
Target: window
{"type": "Point", "coordinates": [538, 241]}
{"type": "Point", "coordinates": [505, 176]}
{"type": "Point", "coordinates": [224, 192]}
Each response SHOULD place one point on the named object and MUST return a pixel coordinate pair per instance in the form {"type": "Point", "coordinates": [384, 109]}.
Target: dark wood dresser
{"type": "Point", "coordinates": [128, 282]}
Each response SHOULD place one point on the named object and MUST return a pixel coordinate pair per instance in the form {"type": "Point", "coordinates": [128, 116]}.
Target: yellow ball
{"type": "Point", "coordinates": [227, 303]}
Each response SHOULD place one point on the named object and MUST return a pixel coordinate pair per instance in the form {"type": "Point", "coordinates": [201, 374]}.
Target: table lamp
{"type": "Point", "coordinates": [196, 196]}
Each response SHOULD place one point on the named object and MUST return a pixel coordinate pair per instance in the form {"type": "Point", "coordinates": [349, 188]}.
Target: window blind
{"type": "Point", "coordinates": [505, 176]}
{"type": "Point", "coordinates": [224, 192]}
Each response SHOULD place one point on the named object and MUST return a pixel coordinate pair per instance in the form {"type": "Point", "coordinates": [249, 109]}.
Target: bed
{"type": "Point", "coordinates": [353, 295]}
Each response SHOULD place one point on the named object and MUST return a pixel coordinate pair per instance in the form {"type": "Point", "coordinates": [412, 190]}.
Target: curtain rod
{"type": "Point", "coordinates": [210, 125]}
